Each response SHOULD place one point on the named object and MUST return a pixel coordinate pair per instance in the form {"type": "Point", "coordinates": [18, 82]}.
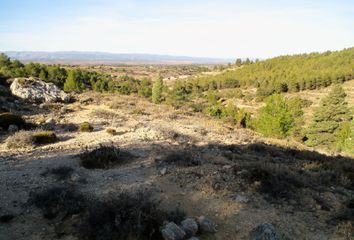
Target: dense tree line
{"type": "Point", "coordinates": [290, 73]}
{"type": "Point", "coordinates": [15, 68]}
{"type": "Point", "coordinates": [73, 80]}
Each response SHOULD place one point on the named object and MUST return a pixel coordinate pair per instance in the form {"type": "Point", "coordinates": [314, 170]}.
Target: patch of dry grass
{"type": "Point", "coordinates": [24, 139]}
{"type": "Point", "coordinates": [21, 139]}
{"type": "Point", "coordinates": [104, 114]}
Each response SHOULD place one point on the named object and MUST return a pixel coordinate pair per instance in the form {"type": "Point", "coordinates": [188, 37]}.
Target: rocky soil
{"type": "Point", "coordinates": [199, 165]}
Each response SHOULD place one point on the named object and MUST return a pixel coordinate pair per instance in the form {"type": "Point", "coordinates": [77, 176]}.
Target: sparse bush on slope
{"type": "Point", "coordinates": [103, 157]}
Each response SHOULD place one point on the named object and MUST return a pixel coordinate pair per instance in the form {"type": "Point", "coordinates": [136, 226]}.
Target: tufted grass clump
{"type": "Point", "coordinates": [103, 157]}
{"type": "Point", "coordinates": [111, 131]}
{"type": "Point", "coordinates": [23, 139]}
{"type": "Point", "coordinates": [8, 118]}
{"type": "Point", "coordinates": [86, 127]}
{"type": "Point", "coordinates": [44, 137]}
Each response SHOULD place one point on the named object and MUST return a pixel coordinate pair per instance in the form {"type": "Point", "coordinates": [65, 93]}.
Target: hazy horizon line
{"type": "Point", "coordinates": [168, 55]}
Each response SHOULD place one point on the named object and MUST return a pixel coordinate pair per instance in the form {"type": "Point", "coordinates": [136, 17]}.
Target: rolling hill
{"type": "Point", "coordinates": [76, 57]}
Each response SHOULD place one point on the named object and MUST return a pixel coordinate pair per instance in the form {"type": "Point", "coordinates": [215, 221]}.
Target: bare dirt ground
{"type": "Point", "coordinates": [223, 185]}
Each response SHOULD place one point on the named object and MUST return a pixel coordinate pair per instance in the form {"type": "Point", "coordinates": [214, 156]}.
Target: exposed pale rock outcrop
{"type": "Point", "coordinates": [38, 91]}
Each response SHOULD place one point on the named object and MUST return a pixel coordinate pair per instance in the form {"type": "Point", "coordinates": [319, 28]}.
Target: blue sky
{"type": "Point", "coordinates": [205, 28]}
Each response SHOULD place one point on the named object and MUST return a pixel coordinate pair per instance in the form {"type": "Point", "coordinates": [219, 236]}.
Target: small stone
{"type": "Point", "coordinates": [75, 217]}
{"type": "Point", "coordinates": [241, 199]}
{"type": "Point", "coordinates": [190, 226]}
{"type": "Point", "coordinates": [49, 120]}
{"type": "Point", "coordinates": [241, 172]}
{"type": "Point", "coordinates": [265, 231]}
{"type": "Point", "coordinates": [226, 167]}
{"type": "Point", "coordinates": [12, 128]}
{"type": "Point", "coordinates": [75, 177]}
{"type": "Point", "coordinates": [173, 232]}
{"type": "Point", "coordinates": [206, 225]}
{"type": "Point", "coordinates": [163, 171]}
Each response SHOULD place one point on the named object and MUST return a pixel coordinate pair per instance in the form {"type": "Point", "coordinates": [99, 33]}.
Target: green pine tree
{"type": "Point", "coordinates": [275, 119]}
{"type": "Point", "coordinates": [43, 75]}
{"type": "Point", "coordinates": [328, 119]}
{"type": "Point", "coordinates": [157, 91]}
{"type": "Point", "coordinates": [4, 60]}
{"type": "Point", "coordinates": [74, 82]}
{"type": "Point", "coordinates": [238, 62]}
{"type": "Point", "coordinates": [145, 88]}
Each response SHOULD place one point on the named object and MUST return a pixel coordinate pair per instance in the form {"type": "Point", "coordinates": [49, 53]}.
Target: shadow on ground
{"type": "Point", "coordinates": [238, 186]}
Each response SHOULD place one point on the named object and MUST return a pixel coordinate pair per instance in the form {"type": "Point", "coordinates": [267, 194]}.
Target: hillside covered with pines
{"type": "Point", "coordinates": [290, 73]}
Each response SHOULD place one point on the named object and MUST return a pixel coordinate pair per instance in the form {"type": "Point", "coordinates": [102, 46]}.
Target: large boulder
{"type": "Point", "coordinates": [35, 90]}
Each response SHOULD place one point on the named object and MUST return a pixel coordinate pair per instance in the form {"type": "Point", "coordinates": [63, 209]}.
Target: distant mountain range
{"type": "Point", "coordinates": [74, 57]}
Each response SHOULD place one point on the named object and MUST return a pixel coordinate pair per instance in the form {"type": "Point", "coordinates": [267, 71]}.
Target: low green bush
{"type": "Point", "coordinates": [231, 113]}
{"type": "Point", "coordinates": [111, 131]}
{"type": "Point", "coordinates": [275, 119]}
{"type": "Point", "coordinates": [7, 119]}
{"type": "Point", "coordinates": [44, 137]}
{"type": "Point", "coordinates": [86, 127]}
{"type": "Point", "coordinates": [103, 157]}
